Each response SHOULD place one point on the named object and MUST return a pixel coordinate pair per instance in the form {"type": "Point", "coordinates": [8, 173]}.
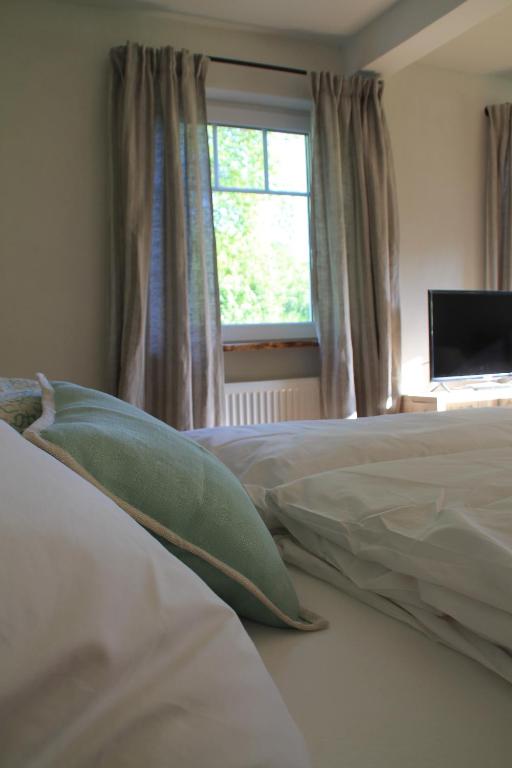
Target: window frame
{"type": "Point", "coordinates": [266, 119]}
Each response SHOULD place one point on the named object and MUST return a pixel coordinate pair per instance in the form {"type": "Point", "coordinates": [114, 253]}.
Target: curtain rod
{"type": "Point", "coordinates": [257, 65]}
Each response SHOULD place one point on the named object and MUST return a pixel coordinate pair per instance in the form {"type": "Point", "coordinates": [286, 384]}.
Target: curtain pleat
{"type": "Point", "coordinates": [166, 348]}
{"type": "Point", "coordinates": [354, 227]}
{"type": "Point", "coordinates": [498, 244]}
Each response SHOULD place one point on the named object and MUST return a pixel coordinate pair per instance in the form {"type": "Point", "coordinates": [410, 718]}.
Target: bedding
{"type": "Point", "coordinates": [20, 408]}
{"type": "Point", "coordinates": [370, 692]}
{"type": "Point", "coordinates": [414, 513]}
{"type": "Point", "coordinates": [20, 402]}
{"type": "Point", "coordinates": [114, 654]}
{"type": "Point", "coordinates": [264, 456]}
{"type": "Point", "coordinates": [8, 385]}
{"type": "Point", "coordinates": [178, 491]}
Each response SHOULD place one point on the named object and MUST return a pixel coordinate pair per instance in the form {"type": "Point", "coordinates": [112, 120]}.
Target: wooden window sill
{"type": "Point", "coordinates": [253, 346]}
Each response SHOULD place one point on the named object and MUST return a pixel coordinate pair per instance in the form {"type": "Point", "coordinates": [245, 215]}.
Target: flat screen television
{"type": "Point", "coordinates": [470, 334]}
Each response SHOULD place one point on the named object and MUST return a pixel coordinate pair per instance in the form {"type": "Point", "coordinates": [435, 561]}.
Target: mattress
{"type": "Point", "coordinates": [371, 692]}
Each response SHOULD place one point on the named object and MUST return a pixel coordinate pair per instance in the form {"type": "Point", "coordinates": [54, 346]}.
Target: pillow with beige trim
{"type": "Point", "coordinates": [177, 491]}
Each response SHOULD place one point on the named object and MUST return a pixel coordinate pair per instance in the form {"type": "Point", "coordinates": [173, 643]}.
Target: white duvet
{"type": "Point", "coordinates": [412, 514]}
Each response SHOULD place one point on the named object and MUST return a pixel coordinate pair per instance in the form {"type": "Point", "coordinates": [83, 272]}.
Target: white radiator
{"type": "Point", "coordinates": [262, 402]}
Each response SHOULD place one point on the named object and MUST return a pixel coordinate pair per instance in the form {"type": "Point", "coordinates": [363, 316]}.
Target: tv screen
{"type": "Point", "coordinates": [470, 334]}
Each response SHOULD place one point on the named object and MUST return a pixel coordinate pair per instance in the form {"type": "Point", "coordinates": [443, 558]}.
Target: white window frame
{"type": "Point", "coordinates": [261, 117]}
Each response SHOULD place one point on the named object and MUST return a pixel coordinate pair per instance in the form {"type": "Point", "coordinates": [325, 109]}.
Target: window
{"type": "Point", "coordinates": [261, 202]}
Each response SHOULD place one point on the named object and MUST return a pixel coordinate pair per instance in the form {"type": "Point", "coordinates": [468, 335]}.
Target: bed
{"type": "Point", "coordinates": [396, 530]}
{"type": "Point", "coordinates": [410, 514]}
{"type": "Point", "coordinates": [369, 689]}
{"type": "Point", "coordinates": [370, 692]}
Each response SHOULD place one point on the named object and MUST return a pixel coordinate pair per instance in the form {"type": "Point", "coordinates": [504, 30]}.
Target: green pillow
{"type": "Point", "coordinates": [20, 408]}
{"type": "Point", "coordinates": [178, 491]}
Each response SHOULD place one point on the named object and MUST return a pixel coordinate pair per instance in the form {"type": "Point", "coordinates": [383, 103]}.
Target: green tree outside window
{"type": "Point", "coordinates": [260, 199]}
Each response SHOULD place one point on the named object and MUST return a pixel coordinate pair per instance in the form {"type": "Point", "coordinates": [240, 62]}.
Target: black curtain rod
{"type": "Point", "coordinates": [257, 65]}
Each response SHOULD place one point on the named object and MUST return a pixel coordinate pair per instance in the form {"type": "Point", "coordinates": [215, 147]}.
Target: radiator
{"type": "Point", "coordinates": [262, 402]}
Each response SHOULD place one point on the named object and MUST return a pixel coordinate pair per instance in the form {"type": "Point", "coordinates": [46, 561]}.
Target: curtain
{"type": "Point", "coordinates": [354, 234]}
{"type": "Point", "coordinates": [498, 209]}
{"type": "Point", "coordinates": [166, 349]}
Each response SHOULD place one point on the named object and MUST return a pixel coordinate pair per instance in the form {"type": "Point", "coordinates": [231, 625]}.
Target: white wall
{"type": "Point", "coordinates": [437, 125]}
{"type": "Point", "coordinates": [54, 230]}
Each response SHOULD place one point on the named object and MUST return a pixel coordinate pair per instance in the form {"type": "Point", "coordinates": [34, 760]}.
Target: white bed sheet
{"type": "Point", "coordinates": [370, 692]}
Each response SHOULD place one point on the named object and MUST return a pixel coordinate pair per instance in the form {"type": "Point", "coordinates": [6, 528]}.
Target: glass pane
{"type": "Point", "coordinates": [287, 169]}
{"type": "Point", "coordinates": [240, 157]}
{"type": "Point", "coordinates": [263, 257]}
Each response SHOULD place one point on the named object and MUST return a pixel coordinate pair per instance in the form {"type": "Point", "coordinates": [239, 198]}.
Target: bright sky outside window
{"type": "Point", "coordinates": [260, 200]}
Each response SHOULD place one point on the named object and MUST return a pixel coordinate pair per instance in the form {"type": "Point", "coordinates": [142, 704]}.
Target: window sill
{"type": "Point", "coordinates": [265, 332]}
{"type": "Point", "coordinates": [253, 346]}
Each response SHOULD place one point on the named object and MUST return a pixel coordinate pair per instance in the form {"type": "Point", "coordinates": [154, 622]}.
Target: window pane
{"type": "Point", "coordinates": [240, 157]}
{"type": "Point", "coordinates": [263, 257]}
{"type": "Point", "coordinates": [287, 161]}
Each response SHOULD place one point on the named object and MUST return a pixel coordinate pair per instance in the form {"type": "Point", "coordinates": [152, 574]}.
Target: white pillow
{"type": "Point", "coordinates": [114, 653]}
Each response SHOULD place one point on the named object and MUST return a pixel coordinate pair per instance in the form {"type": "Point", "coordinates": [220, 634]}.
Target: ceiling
{"type": "Point", "coordinates": [485, 49]}
{"type": "Point", "coordinates": [332, 18]}
{"type": "Point", "coordinates": [479, 31]}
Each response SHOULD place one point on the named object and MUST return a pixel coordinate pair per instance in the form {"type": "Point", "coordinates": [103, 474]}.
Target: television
{"type": "Point", "coordinates": [470, 334]}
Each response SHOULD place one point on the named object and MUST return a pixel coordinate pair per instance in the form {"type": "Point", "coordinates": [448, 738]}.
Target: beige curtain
{"type": "Point", "coordinates": [498, 241]}
{"type": "Point", "coordinates": [354, 232]}
{"type": "Point", "coordinates": [166, 348]}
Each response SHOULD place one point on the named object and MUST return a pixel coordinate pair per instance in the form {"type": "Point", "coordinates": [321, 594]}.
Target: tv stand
{"type": "Point", "coordinates": [474, 395]}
